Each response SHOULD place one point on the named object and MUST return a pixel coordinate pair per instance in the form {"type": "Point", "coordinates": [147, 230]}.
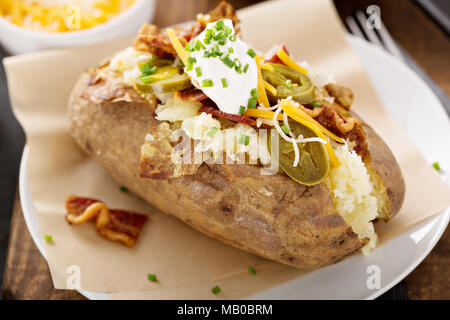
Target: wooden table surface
{"type": "Point", "coordinates": [26, 273]}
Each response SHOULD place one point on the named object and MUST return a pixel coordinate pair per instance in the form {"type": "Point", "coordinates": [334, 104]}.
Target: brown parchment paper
{"type": "Point", "coordinates": [188, 264]}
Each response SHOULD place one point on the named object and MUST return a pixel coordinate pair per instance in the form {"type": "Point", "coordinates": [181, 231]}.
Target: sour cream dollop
{"type": "Point", "coordinates": [228, 88]}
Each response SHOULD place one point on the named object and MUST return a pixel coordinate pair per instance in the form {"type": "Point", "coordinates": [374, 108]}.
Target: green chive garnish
{"type": "Point", "coordinates": [198, 71]}
{"type": "Point", "coordinates": [228, 62]}
{"type": "Point", "coordinates": [224, 83]}
{"type": "Point", "coordinates": [207, 83]}
{"type": "Point", "coordinates": [437, 166]}
{"type": "Point", "coordinates": [146, 79]}
{"type": "Point", "coordinates": [254, 93]}
{"type": "Point", "coordinates": [123, 188]}
{"type": "Point", "coordinates": [232, 38]}
{"type": "Point", "coordinates": [251, 53]}
{"type": "Point", "coordinates": [285, 129]}
{"type": "Point", "coordinates": [251, 103]}
{"type": "Point", "coordinates": [251, 270]}
{"type": "Point", "coordinates": [190, 63]}
{"type": "Point", "coordinates": [199, 45]}
{"type": "Point", "coordinates": [242, 110]}
{"type": "Point", "coordinates": [246, 68]}
{"type": "Point", "coordinates": [289, 83]}
{"type": "Point", "coordinates": [48, 238]}
{"type": "Point", "coordinates": [148, 69]}
{"type": "Point", "coordinates": [315, 104]}
{"type": "Point", "coordinates": [215, 290]}
{"type": "Point", "coordinates": [220, 24]}
{"type": "Point", "coordinates": [243, 139]}
{"type": "Point", "coordinates": [152, 277]}
{"type": "Point", "coordinates": [230, 50]}
{"type": "Point", "coordinates": [212, 131]}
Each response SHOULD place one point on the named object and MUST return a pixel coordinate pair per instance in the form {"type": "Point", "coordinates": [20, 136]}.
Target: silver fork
{"type": "Point", "coordinates": [357, 25]}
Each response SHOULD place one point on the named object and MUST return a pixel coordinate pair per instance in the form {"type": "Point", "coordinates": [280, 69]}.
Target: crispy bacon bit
{"type": "Point", "coordinates": [232, 117]}
{"type": "Point", "coordinates": [152, 39]}
{"type": "Point", "coordinates": [224, 11]}
{"type": "Point", "coordinates": [115, 225]}
{"type": "Point", "coordinates": [191, 94]}
{"type": "Point", "coordinates": [156, 41]}
{"type": "Point", "coordinates": [345, 127]}
{"type": "Point", "coordinates": [274, 58]}
{"type": "Point", "coordinates": [343, 95]}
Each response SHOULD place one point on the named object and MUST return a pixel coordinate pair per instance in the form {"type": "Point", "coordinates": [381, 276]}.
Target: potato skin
{"type": "Point", "coordinates": [296, 224]}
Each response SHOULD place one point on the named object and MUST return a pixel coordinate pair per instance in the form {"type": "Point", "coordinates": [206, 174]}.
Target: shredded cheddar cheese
{"type": "Point", "coordinates": [270, 88]}
{"type": "Point", "coordinates": [177, 45]}
{"type": "Point", "coordinates": [267, 67]}
{"type": "Point", "coordinates": [289, 62]}
{"type": "Point", "coordinates": [262, 98]}
{"type": "Point", "coordinates": [293, 112]}
{"type": "Point", "coordinates": [61, 15]}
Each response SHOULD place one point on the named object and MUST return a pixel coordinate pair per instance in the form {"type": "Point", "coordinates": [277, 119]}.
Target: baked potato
{"type": "Point", "coordinates": [274, 216]}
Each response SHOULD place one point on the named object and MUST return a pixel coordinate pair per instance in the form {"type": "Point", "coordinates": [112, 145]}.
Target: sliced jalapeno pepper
{"type": "Point", "coordinates": [165, 79]}
{"type": "Point", "coordinates": [289, 82]}
{"type": "Point", "coordinates": [313, 166]}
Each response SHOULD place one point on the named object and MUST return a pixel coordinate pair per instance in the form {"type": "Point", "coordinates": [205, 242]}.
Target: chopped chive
{"type": "Point", "coordinates": [146, 79]}
{"type": "Point", "coordinates": [232, 38]}
{"type": "Point", "coordinates": [190, 63]}
{"type": "Point", "coordinates": [238, 69]}
{"type": "Point", "coordinates": [246, 68]}
{"type": "Point", "coordinates": [207, 83]}
{"type": "Point", "coordinates": [123, 188]}
{"type": "Point", "coordinates": [285, 129]}
{"type": "Point", "coordinates": [289, 83]}
{"type": "Point", "coordinates": [216, 49]}
{"type": "Point", "coordinates": [230, 50]}
{"type": "Point", "coordinates": [251, 104]}
{"type": "Point", "coordinates": [224, 83]}
{"type": "Point", "coordinates": [222, 41]}
{"type": "Point", "coordinates": [212, 131]}
{"type": "Point", "coordinates": [254, 93]}
{"type": "Point", "coordinates": [251, 53]}
{"type": "Point", "coordinates": [148, 69]}
{"type": "Point", "coordinates": [198, 71]}
{"type": "Point", "coordinates": [437, 166]}
{"type": "Point", "coordinates": [315, 104]}
{"type": "Point", "coordinates": [199, 45]}
{"type": "Point", "coordinates": [152, 277]}
{"type": "Point", "coordinates": [228, 62]}
{"type": "Point", "coordinates": [215, 290]}
{"type": "Point", "coordinates": [48, 238]}
{"type": "Point", "coordinates": [251, 270]}
{"type": "Point", "coordinates": [242, 110]}
{"type": "Point", "coordinates": [243, 139]}
{"type": "Point", "coordinates": [227, 31]}
{"type": "Point", "coordinates": [220, 24]}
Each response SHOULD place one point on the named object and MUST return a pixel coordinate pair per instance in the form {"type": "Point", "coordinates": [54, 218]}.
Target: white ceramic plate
{"type": "Point", "coordinates": [403, 93]}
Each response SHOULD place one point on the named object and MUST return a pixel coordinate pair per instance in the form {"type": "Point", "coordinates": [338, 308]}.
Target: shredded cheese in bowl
{"type": "Point", "coordinates": [61, 15]}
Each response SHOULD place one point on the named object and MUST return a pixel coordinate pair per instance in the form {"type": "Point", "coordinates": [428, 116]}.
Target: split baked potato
{"type": "Point", "coordinates": [303, 225]}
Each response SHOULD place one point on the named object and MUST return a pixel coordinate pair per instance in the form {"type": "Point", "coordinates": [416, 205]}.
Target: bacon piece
{"type": "Point", "coordinates": [274, 58]}
{"type": "Point", "coordinates": [191, 94]}
{"type": "Point", "coordinates": [116, 225]}
{"type": "Point", "coordinates": [156, 41]}
{"type": "Point", "coordinates": [229, 116]}
{"type": "Point", "coordinates": [345, 127]}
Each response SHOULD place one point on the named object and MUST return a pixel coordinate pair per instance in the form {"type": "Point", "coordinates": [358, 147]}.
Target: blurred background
{"type": "Point", "coordinates": [416, 31]}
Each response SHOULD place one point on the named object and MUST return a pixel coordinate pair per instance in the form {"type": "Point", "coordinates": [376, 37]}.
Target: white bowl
{"type": "Point", "coordinates": [18, 40]}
